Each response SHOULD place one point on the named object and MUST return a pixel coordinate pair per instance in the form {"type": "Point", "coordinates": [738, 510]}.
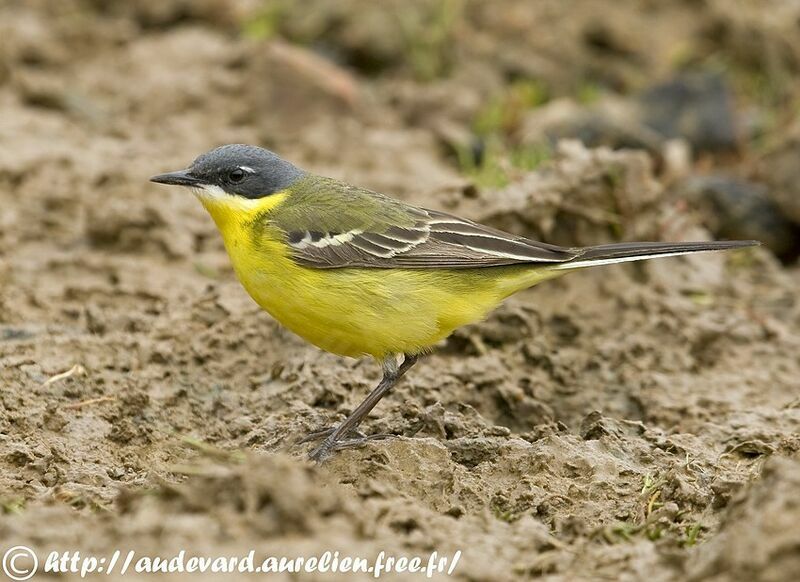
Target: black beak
{"type": "Point", "coordinates": [179, 178]}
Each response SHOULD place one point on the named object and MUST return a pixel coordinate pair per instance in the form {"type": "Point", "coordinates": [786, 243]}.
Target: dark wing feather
{"type": "Point", "coordinates": [329, 225]}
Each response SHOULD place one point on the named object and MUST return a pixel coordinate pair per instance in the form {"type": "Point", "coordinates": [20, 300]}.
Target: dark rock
{"type": "Point", "coordinates": [698, 107]}
{"type": "Point", "coordinates": [780, 168]}
{"type": "Point", "coordinates": [13, 333]}
{"type": "Point", "coordinates": [611, 122]}
{"type": "Point", "coordinates": [739, 209]}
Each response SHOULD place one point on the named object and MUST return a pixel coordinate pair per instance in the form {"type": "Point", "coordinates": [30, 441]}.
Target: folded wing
{"type": "Point", "coordinates": [330, 225]}
{"type": "Point", "coordinates": [432, 240]}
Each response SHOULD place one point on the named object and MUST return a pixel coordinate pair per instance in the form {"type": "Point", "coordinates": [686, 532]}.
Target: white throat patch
{"type": "Point", "coordinates": [210, 191]}
{"type": "Point", "coordinates": [214, 193]}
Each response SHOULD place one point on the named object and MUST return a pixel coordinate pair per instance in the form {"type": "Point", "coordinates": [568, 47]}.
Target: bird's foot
{"type": "Point", "coordinates": [329, 445]}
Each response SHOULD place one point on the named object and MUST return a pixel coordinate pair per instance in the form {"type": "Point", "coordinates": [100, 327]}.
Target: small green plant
{"type": "Point", "coordinates": [498, 163]}
{"type": "Point", "coordinates": [530, 157]}
{"type": "Point", "coordinates": [621, 532]}
{"type": "Point", "coordinates": [700, 297]}
{"type": "Point", "coordinates": [428, 36]}
{"type": "Point", "coordinates": [648, 483]}
{"type": "Point", "coordinates": [495, 125]}
{"type": "Point", "coordinates": [265, 23]}
{"type": "Point", "coordinates": [588, 93]}
{"type": "Point", "coordinates": [503, 113]}
{"type": "Point", "coordinates": [487, 173]}
{"type": "Point", "coordinates": [12, 506]}
{"type": "Point", "coordinates": [651, 487]}
{"type": "Point", "coordinates": [506, 516]}
{"type": "Point", "coordinates": [654, 532]}
{"type": "Point", "coordinates": [692, 534]}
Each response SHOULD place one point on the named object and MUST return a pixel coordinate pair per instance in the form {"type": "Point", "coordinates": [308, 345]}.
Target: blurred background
{"type": "Point", "coordinates": [600, 425]}
{"type": "Point", "coordinates": [412, 97]}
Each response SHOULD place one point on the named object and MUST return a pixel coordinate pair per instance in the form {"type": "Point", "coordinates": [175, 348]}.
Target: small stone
{"type": "Point", "coordinates": [698, 107]}
{"type": "Point", "coordinates": [740, 209]}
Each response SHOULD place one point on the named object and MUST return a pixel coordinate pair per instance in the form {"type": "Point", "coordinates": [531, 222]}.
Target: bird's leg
{"type": "Point", "coordinates": [336, 439]}
{"type": "Point", "coordinates": [321, 434]}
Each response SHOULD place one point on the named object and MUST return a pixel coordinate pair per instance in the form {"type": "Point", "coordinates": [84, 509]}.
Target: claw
{"type": "Point", "coordinates": [324, 450]}
{"type": "Point", "coordinates": [316, 435]}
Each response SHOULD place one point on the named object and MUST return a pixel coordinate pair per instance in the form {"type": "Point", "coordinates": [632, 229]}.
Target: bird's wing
{"type": "Point", "coordinates": [330, 225]}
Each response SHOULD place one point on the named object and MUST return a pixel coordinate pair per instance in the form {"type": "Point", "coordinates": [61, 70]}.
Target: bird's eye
{"type": "Point", "coordinates": [236, 176]}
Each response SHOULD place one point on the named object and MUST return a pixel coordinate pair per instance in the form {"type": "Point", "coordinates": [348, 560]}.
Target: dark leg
{"type": "Point", "coordinates": [337, 438]}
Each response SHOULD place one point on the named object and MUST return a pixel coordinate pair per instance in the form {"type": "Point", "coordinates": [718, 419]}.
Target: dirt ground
{"type": "Point", "coordinates": [626, 423]}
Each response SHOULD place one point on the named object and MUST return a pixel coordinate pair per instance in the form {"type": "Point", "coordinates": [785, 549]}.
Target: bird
{"type": "Point", "coordinates": [361, 274]}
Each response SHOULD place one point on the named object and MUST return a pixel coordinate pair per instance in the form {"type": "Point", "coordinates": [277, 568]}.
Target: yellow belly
{"type": "Point", "coordinates": [356, 311]}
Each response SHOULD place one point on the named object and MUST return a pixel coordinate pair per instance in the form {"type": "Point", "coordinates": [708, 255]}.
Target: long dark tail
{"type": "Point", "coordinates": [638, 251]}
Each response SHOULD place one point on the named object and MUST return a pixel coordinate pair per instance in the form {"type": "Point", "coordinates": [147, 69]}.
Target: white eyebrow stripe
{"type": "Point", "coordinates": [247, 169]}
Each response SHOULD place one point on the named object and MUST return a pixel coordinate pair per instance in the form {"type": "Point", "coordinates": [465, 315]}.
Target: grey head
{"type": "Point", "coordinates": [237, 169]}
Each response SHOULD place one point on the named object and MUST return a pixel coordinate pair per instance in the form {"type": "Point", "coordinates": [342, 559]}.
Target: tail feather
{"type": "Point", "coordinates": [638, 251]}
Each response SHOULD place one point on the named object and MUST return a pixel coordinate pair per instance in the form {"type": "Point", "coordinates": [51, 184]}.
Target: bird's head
{"type": "Point", "coordinates": [234, 174]}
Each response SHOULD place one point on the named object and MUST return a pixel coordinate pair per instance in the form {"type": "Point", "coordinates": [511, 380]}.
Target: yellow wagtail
{"type": "Point", "coordinates": [357, 273]}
